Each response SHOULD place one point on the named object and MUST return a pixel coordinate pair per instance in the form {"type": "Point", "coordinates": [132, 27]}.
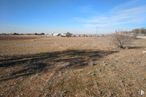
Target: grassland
{"type": "Point", "coordinates": [36, 44]}
{"type": "Point", "coordinates": [71, 67]}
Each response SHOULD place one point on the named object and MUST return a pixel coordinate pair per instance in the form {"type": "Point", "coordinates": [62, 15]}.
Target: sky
{"type": "Point", "coordinates": [75, 16]}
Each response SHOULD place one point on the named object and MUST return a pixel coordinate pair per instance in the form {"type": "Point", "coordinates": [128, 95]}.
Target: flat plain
{"type": "Point", "coordinates": [40, 66]}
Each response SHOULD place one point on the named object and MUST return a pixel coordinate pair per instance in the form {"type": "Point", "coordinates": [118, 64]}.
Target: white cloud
{"type": "Point", "coordinates": [127, 5]}
{"type": "Point", "coordinates": [120, 17]}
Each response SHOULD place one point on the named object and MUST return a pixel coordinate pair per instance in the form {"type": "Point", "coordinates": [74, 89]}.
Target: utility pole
{"type": "Point", "coordinates": [96, 30]}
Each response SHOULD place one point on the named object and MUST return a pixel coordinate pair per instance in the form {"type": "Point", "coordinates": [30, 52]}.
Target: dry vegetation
{"type": "Point", "coordinates": [121, 40]}
{"type": "Point", "coordinates": [71, 67]}
{"type": "Point", "coordinates": [49, 44]}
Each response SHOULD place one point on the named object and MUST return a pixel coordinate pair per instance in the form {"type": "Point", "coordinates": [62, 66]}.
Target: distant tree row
{"type": "Point", "coordinates": [135, 32]}
{"type": "Point", "coordinates": [39, 33]}
{"type": "Point", "coordinates": [139, 31]}
{"type": "Point", "coordinates": [22, 33]}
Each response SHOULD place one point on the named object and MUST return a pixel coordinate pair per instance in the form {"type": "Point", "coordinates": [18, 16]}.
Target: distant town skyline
{"type": "Point", "coordinates": [75, 16]}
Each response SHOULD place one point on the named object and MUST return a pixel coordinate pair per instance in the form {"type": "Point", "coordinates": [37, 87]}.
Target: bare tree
{"type": "Point", "coordinates": [121, 40]}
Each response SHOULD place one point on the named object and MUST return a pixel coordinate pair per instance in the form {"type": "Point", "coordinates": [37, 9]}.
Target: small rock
{"type": "Point", "coordinates": [143, 52]}
{"type": "Point", "coordinates": [141, 92]}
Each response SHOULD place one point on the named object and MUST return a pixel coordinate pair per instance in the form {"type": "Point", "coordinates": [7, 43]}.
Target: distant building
{"type": "Point", "coordinates": [68, 34]}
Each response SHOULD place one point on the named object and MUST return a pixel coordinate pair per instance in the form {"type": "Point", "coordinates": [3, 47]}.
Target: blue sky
{"type": "Point", "coordinates": [76, 16]}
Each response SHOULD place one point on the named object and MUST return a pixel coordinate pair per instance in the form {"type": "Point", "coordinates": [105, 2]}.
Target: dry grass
{"type": "Point", "coordinates": [18, 37]}
{"type": "Point", "coordinates": [49, 44]}
{"type": "Point", "coordinates": [103, 80]}
{"type": "Point", "coordinates": [72, 67]}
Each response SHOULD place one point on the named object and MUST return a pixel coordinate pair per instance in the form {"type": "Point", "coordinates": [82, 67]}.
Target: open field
{"type": "Point", "coordinates": [18, 37]}
{"type": "Point", "coordinates": [36, 44]}
{"type": "Point", "coordinates": [71, 67]}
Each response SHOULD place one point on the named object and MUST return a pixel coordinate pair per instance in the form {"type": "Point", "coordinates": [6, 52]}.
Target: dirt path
{"type": "Point", "coordinates": [30, 77]}
{"type": "Point", "coordinates": [31, 86]}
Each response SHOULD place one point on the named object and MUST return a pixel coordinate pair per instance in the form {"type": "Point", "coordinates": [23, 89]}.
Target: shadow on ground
{"type": "Point", "coordinates": [135, 47]}
{"type": "Point", "coordinates": [33, 64]}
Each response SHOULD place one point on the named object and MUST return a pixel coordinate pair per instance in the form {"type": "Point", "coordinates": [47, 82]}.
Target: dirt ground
{"type": "Point", "coordinates": [71, 67]}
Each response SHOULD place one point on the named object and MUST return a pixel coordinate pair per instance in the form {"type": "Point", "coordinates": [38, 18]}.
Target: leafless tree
{"type": "Point", "coordinates": [121, 40]}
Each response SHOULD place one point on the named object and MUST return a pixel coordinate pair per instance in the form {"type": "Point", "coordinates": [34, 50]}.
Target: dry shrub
{"type": "Point", "coordinates": [121, 40]}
